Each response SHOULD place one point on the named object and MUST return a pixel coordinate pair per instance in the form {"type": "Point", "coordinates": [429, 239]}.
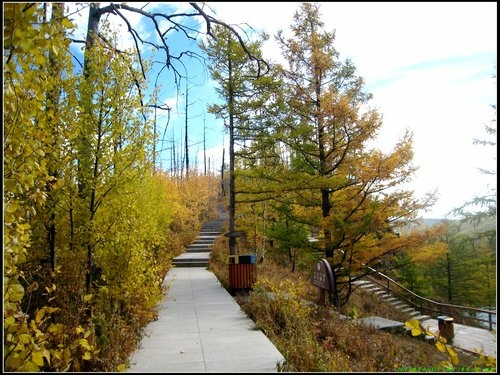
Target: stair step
{"type": "Point", "coordinates": [360, 282]}
{"type": "Point", "coordinates": [191, 264]}
{"type": "Point", "coordinates": [192, 259]}
{"type": "Point", "coordinates": [389, 299]}
{"type": "Point", "coordinates": [399, 305]}
{"type": "Point", "coordinates": [396, 303]}
{"type": "Point", "coordinates": [367, 285]}
{"type": "Point", "coordinates": [407, 310]}
{"type": "Point", "coordinates": [421, 318]}
{"type": "Point", "coordinates": [197, 253]}
{"type": "Point", "coordinates": [198, 250]}
{"type": "Point", "coordinates": [371, 288]}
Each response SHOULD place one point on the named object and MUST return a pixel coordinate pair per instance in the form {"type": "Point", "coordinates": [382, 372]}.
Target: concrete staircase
{"type": "Point", "coordinates": [197, 254]}
{"type": "Point", "coordinates": [397, 304]}
{"type": "Point", "coordinates": [390, 299]}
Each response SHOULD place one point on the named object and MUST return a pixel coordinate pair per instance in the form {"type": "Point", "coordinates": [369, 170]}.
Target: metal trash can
{"type": "Point", "coordinates": [445, 324]}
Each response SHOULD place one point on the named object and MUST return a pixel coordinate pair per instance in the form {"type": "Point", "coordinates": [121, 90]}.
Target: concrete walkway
{"type": "Point", "coordinates": [201, 328]}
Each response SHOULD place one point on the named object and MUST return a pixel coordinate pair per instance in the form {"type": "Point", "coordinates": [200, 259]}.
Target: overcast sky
{"type": "Point", "coordinates": [429, 66]}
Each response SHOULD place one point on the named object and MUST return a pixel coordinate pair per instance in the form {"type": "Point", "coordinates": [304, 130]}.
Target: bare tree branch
{"type": "Point", "coordinates": [176, 23]}
{"type": "Point", "coordinates": [209, 20]}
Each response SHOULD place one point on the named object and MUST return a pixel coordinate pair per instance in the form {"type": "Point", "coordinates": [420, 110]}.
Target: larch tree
{"type": "Point", "coordinates": [163, 24]}
{"type": "Point", "coordinates": [240, 83]}
{"type": "Point", "coordinates": [78, 184]}
{"type": "Point", "coordinates": [117, 139]}
{"type": "Point", "coordinates": [480, 214]}
{"type": "Point", "coordinates": [482, 206]}
{"type": "Point", "coordinates": [89, 163]}
{"type": "Point", "coordinates": [332, 179]}
{"type": "Point", "coordinates": [464, 274]}
{"type": "Point", "coordinates": [164, 21]}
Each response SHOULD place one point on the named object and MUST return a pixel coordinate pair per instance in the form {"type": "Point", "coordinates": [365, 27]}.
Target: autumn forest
{"type": "Point", "coordinates": [92, 223]}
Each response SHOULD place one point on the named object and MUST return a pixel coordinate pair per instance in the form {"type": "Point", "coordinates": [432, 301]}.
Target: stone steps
{"type": "Point", "coordinates": [201, 244]}
{"type": "Point", "coordinates": [211, 233]}
{"type": "Point", "coordinates": [393, 301]}
{"type": "Point", "coordinates": [198, 250]}
{"type": "Point", "coordinates": [396, 303]}
{"type": "Point", "coordinates": [191, 262]}
{"type": "Point", "coordinates": [197, 254]}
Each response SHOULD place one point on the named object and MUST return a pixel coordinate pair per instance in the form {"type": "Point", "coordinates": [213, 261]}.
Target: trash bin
{"type": "Point", "coordinates": [242, 271]}
{"type": "Point", "coordinates": [445, 325]}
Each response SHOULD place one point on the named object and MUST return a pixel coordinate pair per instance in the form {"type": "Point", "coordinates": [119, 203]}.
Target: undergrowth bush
{"type": "Point", "coordinates": [313, 338]}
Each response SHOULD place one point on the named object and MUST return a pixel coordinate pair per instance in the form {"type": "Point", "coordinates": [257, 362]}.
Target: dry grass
{"type": "Point", "coordinates": [318, 339]}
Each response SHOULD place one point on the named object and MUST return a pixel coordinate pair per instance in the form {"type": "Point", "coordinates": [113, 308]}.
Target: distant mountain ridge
{"type": "Point", "coordinates": [486, 224]}
{"type": "Point", "coordinates": [431, 222]}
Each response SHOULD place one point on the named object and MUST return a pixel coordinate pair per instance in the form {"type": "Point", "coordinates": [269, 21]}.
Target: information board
{"type": "Point", "coordinates": [322, 275]}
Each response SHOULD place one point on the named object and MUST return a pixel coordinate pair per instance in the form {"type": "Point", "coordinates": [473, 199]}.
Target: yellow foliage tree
{"type": "Point", "coordinates": [323, 162]}
{"type": "Point", "coordinates": [33, 47]}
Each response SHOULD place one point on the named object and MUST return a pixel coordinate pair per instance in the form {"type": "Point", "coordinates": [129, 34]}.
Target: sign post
{"type": "Point", "coordinates": [322, 277]}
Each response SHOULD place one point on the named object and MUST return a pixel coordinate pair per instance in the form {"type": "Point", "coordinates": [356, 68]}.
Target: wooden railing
{"type": "Point", "coordinates": [460, 314]}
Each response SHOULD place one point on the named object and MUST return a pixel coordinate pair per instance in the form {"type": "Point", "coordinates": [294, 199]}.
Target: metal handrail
{"type": "Point", "coordinates": [434, 306]}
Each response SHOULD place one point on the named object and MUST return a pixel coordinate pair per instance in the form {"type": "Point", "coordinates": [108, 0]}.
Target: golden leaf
{"type": "Point", "coordinates": [46, 354]}
{"type": "Point", "coordinates": [441, 347]}
{"type": "Point", "coordinates": [87, 356]}
{"type": "Point", "coordinates": [37, 358]}
{"type": "Point", "coordinates": [39, 315]}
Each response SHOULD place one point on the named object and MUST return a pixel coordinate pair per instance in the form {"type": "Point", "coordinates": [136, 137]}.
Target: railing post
{"type": "Point", "coordinates": [490, 321]}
